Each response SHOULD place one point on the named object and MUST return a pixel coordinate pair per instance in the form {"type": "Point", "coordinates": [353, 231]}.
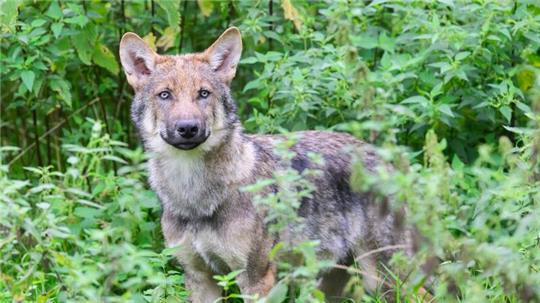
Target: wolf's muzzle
{"type": "Point", "coordinates": [185, 134]}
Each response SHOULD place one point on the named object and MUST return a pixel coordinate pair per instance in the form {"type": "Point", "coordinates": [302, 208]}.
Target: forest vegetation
{"type": "Point", "coordinates": [448, 91]}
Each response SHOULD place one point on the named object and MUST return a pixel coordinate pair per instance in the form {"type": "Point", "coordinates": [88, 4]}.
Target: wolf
{"type": "Point", "coordinates": [200, 159]}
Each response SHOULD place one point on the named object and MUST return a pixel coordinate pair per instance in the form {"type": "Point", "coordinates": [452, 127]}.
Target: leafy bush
{"type": "Point", "coordinates": [449, 91]}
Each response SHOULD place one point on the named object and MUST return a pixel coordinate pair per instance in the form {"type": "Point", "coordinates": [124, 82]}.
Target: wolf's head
{"type": "Point", "coordinates": [182, 102]}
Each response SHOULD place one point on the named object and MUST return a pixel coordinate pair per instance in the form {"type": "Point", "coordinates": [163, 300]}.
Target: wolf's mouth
{"type": "Point", "coordinates": [184, 144]}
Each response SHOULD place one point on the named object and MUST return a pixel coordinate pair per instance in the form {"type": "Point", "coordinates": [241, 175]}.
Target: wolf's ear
{"type": "Point", "coordinates": [138, 59]}
{"type": "Point", "coordinates": [224, 54]}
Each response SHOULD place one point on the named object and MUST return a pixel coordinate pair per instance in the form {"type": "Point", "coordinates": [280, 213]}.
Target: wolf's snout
{"type": "Point", "coordinates": [187, 128]}
{"type": "Point", "coordinates": [185, 134]}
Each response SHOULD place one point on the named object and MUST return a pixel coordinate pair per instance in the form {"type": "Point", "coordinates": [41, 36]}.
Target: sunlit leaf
{"type": "Point", "coordinates": [8, 13]}
{"type": "Point", "coordinates": [166, 40]}
{"type": "Point", "coordinates": [206, 7]}
{"type": "Point", "coordinates": [525, 79]}
{"type": "Point", "coordinates": [150, 40]}
{"type": "Point", "coordinates": [105, 58]}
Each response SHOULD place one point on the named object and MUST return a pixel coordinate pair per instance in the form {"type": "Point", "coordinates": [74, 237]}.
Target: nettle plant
{"type": "Point", "coordinates": [479, 223]}
{"type": "Point", "coordinates": [85, 234]}
{"type": "Point", "coordinates": [448, 90]}
{"type": "Point", "coordinates": [399, 68]}
{"type": "Point", "coordinates": [280, 197]}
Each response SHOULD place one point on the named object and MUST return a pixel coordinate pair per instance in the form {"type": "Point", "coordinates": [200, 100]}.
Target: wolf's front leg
{"type": "Point", "coordinates": [202, 287]}
{"type": "Point", "coordinates": [198, 275]}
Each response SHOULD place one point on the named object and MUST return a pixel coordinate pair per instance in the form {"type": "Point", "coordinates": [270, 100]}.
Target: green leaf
{"type": "Point", "coordinates": [206, 7]}
{"type": "Point", "coordinates": [506, 112]}
{"type": "Point", "coordinates": [457, 164]}
{"type": "Point", "coordinates": [278, 293]}
{"type": "Point", "coordinates": [415, 100]}
{"type": "Point", "coordinates": [250, 60]}
{"type": "Point", "coordinates": [446, 109]}
{"type": "Point", "coordinates": [57, 29]}
{"type": "Point", "coordinates": [86, 212]}
{"type": "Point", "coordinates": [365, 40]}
{"type": "Point", "coordinates": [84, 42]}
{"type": "Point", "coordinates": [525, 79]}
{"type": "Point", "coordinates": [171, 251]}
{"type": "Point", "coordinates": [172, 9]}
{"type": "Point", "coordinates": [38, 22]}
{"type": "Point", "coordinates": [167, 39]}
{"type": "Point", "coordinates": [519, 130]}
{"type": "Point", "coordinates": [387, 43]}
{"type": "Point", "coordinates": [252, 84]}
{"type": "Point", "coordinates": [462, 55]}
{"type": "Point", "coordinates": [54, 11]}
{"type": "Point", "coordinates": [63, 89]}
{"type": "Point", "coordinates": [28, 78]}
{"type": "Point", "coordinates": [79, 20]}
{"type": "Point", "coordinates": [105, 58]}
{"type": "Point", "coordinates": [8, 13]}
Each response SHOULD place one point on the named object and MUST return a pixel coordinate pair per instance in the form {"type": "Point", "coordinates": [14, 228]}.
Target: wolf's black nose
{"type": "Point", "coordinates": [187, 128]}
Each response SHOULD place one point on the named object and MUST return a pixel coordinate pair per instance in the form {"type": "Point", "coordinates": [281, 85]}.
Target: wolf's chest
{"type": "Point", "coordinates": [185, 186]}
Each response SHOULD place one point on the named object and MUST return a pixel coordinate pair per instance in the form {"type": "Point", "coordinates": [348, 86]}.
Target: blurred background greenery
{"type": "Point", "coordinates": [448, 90]}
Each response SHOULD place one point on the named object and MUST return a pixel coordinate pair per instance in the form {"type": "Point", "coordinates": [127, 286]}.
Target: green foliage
{"type": "Point", "coordinates": [448, 90]}
{"type": "Point", "coordinates": [85, 234]}
{"type": "Point", "coordinates": [297, 262]}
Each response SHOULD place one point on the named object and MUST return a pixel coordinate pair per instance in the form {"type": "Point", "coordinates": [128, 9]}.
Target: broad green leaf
{"type": "Point", "coordinates": [172, 9]}
{"type": "Point", "coordinates": [534, 60]}
{"type": "Point", "coordinates": [252, 84]}
{"type": "Point", "coordinates": [278, 293]}
{"type": "Point", "coordinates": [105, 58]}
{"type": "Point", "coordinates": [8, 13]}
{"type": "Point", "coordinates": [520, 130]}
{"type": "Point", "coordinates": [525, 79]}
{"type": "Point", "coordinates": [206, 7]}
{"type": "Point", "coordinates": [38, 22]}
{"type": "Point", "coordinates": [506, 112]}
{"type": "Point", "coordinates": [446, 109]}
{"type": "Point", "coordinates": [54, 11]}
{"type": "Point", "coordinates": [84, 43]}
{"type": "Point", "coordinates": [166, 41]}
{"type": "Point", "coordinates": [386, 43]}
{"type": "Point", "coordinates": [250, 60]}
{"type": "Point", "coordinates": [63, 88]}
{"type": "Point", "coordinates": [79, 20]}
{"type": "Point", "coordinates": [462, 55]}
{"type": "Point", "coordinates": [28, 78]}
{"type": "Point", "coordinates": [415, 99]}
{"type": "Point", "coordinates": [86, 212]}
{"type": "Point", "coordinates": [365, 40]}
{"type": "Point", "coordinates": [57, 29]}
{"type": "Point", "coordinates": [150, 40]}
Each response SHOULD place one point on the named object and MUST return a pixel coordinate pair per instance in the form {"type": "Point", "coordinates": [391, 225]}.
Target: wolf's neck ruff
{"type": "Point", "coordinates": [194, 184]}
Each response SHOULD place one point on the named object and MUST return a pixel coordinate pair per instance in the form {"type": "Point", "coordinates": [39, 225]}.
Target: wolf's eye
{"type": "Point", "coordinates": [203, 93]}
{"type": "Point", "coordinates": [164, 95]}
